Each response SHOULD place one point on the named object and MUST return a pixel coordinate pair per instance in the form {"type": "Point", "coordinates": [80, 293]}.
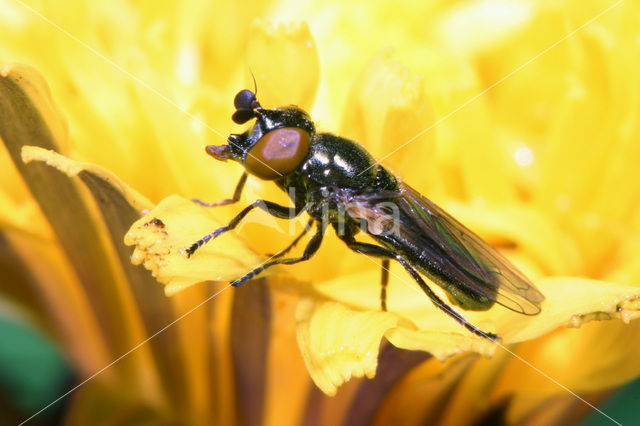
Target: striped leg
{"type": "Point", "coordinates": [378, 251]}
{"type": "Point", "coordinates": [236, 195]}
{"type": "Point", "coordinates": [306, 229]}
{"type": "Point", "coordinates": [273, 209]}
{"type": "Point", "coordinates": [309, 251]}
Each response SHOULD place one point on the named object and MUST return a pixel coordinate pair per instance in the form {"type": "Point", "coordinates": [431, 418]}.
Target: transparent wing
{"type": "Point", "coordinates": [447, 245]}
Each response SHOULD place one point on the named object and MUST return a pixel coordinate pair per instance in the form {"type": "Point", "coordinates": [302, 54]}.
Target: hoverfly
{"type": "Point", "coordinates": [338, 183]}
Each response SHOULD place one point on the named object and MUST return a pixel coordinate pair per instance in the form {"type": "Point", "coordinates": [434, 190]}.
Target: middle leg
{"type": "Point", "coordinates": [309, 251]}
{"type": "Point", "coordinates": [384, 282]}
{"type": "Point", "coordinates": [304, 232]}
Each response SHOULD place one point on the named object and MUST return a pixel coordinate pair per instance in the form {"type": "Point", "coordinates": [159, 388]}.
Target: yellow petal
{"type": "Point", "coordinates": [25, 91]}
{"type": "Point", "coordinates": [386, 109]}
{"type": "Point", "coordinates": [338, 343]}
{"type": "Point", "coordinates": [284, 61]}
{"type": "Point", "coordinates": [73, 168]}
{"type": "Point", "coordinates": [97, 402]}
{"type": "Point", "coordinates": [418, 325]}
{"type": "Point", "coordinates": [424, 391]}
{"type": "Point", "coordinates": [162, 236]}
{"type": "Point", "coordinates": [285, 369]}
{"type": "Point", "coordinates": [29, 116]}
{"type": "Point", "coordinates": [120, 205]}
{"type": "Point", "coordinates": [533, 233]}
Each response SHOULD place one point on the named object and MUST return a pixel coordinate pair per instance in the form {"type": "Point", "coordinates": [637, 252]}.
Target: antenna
{"type": "Point", "coordinates": [255, 85]}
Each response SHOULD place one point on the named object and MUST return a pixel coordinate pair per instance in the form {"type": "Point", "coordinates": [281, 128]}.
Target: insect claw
{"type": "Point", "coordinates": [191, 250]}
{"type": "Point", "coordinates": [493, 337]}
{"type": "Point", "coordinates": [239, 281]}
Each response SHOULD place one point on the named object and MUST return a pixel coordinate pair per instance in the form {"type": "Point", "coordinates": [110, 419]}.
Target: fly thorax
{"type": "Point", "coordinates": [340, 162]}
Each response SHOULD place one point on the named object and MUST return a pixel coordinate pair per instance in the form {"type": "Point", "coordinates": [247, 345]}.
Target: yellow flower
{"type": "Point", "coordinates": [542, 165]}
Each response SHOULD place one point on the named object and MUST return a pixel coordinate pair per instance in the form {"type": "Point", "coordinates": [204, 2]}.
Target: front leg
{"type": "Point", "coordinates": [236, 195]}
{"type": "Point", "coordinates": [273, 209]}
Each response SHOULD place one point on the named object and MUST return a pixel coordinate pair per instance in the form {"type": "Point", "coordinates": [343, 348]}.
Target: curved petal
{"type": "Point", "coordinates": [163, 234]}
{"type": "Point", "coordinates": [417, 325]}
{"type": "Point", "coordinates": [338, 343]}
{"type": "Point", "coordinates": [285, 63]}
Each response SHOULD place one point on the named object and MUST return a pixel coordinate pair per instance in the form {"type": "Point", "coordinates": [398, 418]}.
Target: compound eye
{"type": "Point", "coordinates": [277, 153]}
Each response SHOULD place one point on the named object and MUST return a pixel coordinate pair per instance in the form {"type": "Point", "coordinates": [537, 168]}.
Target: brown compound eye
{"type": "Point", "coordinates": [277, 153]}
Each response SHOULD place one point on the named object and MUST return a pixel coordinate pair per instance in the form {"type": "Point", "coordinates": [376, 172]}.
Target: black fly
{"type": "Point", "coordinates": [338, 183]}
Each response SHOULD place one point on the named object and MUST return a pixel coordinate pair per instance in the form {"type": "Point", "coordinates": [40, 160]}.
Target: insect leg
{"type": "Point", "coordinates": [309, 251]}
{"type": "Point", "coordinates": [273, 209]}
{"type": "Point", "coordinates": [377, 251]}
{"type": "Point", "coordinates": [234, 199]}
{"type": "Point", "coordinates": [306, 229]}
{"type": "Point", "coordinates": [384, 281]}
{"type": "Point", "coordinates": [441, 305]}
